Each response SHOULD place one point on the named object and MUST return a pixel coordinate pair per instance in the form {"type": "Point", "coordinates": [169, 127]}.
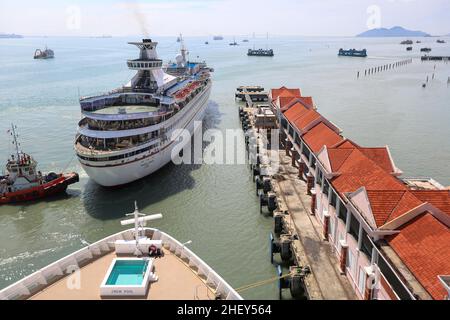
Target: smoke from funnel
{"type": "Point", "coordinates": [139, 16]}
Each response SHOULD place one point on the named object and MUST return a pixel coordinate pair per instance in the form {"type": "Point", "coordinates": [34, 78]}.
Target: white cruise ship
{"type": "Point", "coordinates": [126, 134]}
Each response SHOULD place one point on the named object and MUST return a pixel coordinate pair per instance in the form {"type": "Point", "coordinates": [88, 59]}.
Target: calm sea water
{"type": "Point", "coordinates": [214, 206]}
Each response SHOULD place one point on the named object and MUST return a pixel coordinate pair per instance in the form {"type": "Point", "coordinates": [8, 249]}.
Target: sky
{"type": "Point", "coordinates": [225, 17]}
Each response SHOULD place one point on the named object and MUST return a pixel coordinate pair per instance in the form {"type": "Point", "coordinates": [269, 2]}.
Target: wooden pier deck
{"type": "Point", "coordinates": [326, 281]}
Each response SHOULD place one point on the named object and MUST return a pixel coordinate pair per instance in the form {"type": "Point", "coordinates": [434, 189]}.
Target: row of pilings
{"type": "Point", "coordinates": [385, 67]}
{"type": "Point", "coordinates": [257, 145]}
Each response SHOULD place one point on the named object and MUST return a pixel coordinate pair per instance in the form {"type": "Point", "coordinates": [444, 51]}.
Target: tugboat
{"type": "Point", "coordinates": [22, 182]}
{"type": "Point", "coordinates": [46, 54]}
{"type": "Point", "coordinates": [407, 42]}
{"type": "Point", "coordinates": [425, 50]}
{"type": "Point", "coordinates": [440, 41]}
{"type": "Point", "coordinates": [352, 53]}
{"type": "Point", "coordinates": [409, 48]}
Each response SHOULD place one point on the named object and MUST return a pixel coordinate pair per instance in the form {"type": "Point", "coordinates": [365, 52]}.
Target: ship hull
{"type": "Point", "coordinates": [51, 188]}
{"type": "Point", "coordinates": [122, 174]}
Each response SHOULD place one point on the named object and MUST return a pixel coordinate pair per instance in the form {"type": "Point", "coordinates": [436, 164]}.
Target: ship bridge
{"type": "Point", "coordinates": [150, 76]}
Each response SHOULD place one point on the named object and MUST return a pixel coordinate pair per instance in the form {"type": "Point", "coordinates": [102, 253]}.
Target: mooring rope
{"type": "Point", "coordinates": [260, 283]}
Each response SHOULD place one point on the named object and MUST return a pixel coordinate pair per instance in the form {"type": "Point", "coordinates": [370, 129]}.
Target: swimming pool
{"type": "Point", "coordinates": [127, 272]}
{"type": "Point", "coordinates": [128, 277]}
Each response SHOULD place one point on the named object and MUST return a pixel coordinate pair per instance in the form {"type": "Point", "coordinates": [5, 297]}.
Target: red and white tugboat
{"type": "Point", "coordinates": [22, 182]}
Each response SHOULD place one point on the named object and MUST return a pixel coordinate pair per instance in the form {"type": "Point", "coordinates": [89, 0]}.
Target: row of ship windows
{"type": "Point", "coordinates": [144, 65]}
{"type": "Point", "coordinates": [122, 156]}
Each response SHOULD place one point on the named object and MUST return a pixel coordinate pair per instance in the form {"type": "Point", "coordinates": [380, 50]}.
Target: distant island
{"type": "Point", "coordinates": [393, 32]}
{"type": "Point", "coordinates": [10, 36]}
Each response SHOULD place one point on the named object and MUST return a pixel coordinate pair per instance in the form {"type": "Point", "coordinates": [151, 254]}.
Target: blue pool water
{"type": "Point", "coordinates": [127, 272]}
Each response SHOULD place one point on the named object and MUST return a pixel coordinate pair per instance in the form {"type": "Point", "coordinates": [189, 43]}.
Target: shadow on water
{"type": "Point", "coordinates": [110, 203]}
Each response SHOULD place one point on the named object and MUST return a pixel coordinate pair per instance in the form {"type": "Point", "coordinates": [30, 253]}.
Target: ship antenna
{"type": "Point", "coordinates": [15, 141]}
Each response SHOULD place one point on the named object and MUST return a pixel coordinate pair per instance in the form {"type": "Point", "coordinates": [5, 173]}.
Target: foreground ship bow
{"type": "Point", "coordinates": [139, 263]}
{"type": "Point", "coordinates": [126, 134]}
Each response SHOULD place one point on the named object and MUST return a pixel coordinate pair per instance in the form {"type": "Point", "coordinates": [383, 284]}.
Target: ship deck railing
{"type": "Point", "coordinates": [119, 147]}
{"type": "Point", "coordinates": [43, 278]}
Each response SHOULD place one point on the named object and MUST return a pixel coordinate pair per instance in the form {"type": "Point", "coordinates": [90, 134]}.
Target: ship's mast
{"type": "Point", "coordinates": [15, 141]}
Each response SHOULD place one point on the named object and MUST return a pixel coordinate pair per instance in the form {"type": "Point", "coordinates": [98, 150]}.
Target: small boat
{"type": "Point", "coordinates": [409, 48]}
{"type": "Point", "coordinates": [206, 42]}
{"type": "Point", "coordinates": [245, 40]}
{"type": "Point", "coordinates": [353, 53]}
{"type": "Point", "coordinates": [46, 54]}
{"type": "Point", "coordinates": [22, 182]}
{"type": "Point", "coordinates": [425, 49]}
{"type": "Point", "coordinates": [234, 43]}
{"type": "Point", "coordinates": [418, 41]}
{"type": "Point", "coordinates": [260, 53]}
{"type": "Point", "coordinates": [440, 41]}
{"type": "Point", "coordinates": [407, 42]}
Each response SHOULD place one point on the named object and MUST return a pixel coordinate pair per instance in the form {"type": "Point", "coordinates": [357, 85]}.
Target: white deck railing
{"type": "Point", "coordinates": [42, 278]}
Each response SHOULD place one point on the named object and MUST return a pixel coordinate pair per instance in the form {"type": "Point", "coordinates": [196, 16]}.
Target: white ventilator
{"type": "Point", "coordinates": [139, 220]}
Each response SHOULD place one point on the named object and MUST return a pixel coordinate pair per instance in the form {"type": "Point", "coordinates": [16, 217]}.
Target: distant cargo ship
{"type": "Point", "coordinates": [409, 48]}
{"type": "Point", "coordinates": [10, 36]}
{"type": "Point", "coordinates": [407, 42]}
{"type": "Point", "coordinates": [353, 53]}
{"type": "Point", "coordinates": [218, 38]}
{"type": "Point", "coordinates": [440, 41]}
{"type": "Point", "coordinates": [260, 53]}
{"type": "Point", "coordinates": [425, 50]}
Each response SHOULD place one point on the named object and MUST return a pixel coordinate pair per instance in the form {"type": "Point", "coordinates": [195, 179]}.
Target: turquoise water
{"type": "Point", "coordinates": [212, 205]}
{"type": "Point", "coordinates": [127, 272]}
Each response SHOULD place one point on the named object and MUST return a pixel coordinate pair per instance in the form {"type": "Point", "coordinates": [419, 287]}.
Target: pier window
{"type": "Point", "coordinates": [354, 227]}
{"type": "Point", "coordinates": [326, 187]}
{"type": "Point", "coordinates": [291, 131]}
{"type": "Point", "coordinates": [313, 163]}
{"type": "Point", "coordinates": [284, 123]}
{"type": "Point", "coordinates": [306, 152]}
{"type": "Point", "coordinates": [366, 244]}
{"type": "Point", "coordinates": [333, 199]}
{"type": "Point", "coordinates": [319, 177]}
{"type": "Point", "coordinates": [342, 212]}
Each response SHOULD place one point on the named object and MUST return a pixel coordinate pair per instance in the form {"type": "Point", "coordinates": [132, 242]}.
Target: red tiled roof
{"type": "Point", "coordinates": [285, 92]}
{"type": "Point", "coordinates": [337, 157]}
{"type": "Point", "coordinates": [295, 111]}
{"type": "Point", "coordinates": [305, 101]}
{"type": "Point", "coordinates": [387, 205]}
{"type": "Point", "coordinates": [308, 100]}
{"type": "Point", "coordinates": [310, 116]}
{"type": "Point", "coordinates": [438, 198]}
{"type": "Point", "coordinates": [285, 101]}
{"type": "Point", "coordinates": [321, 135]}
{"type": "Point", "coordinates": [423, 245]}
{"type": "Point", "coordinates": [380, 156]}
{"type": "Point", "coordinates": [357, 170]}
{"type": "Point", "coordinates": [346, 143]}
